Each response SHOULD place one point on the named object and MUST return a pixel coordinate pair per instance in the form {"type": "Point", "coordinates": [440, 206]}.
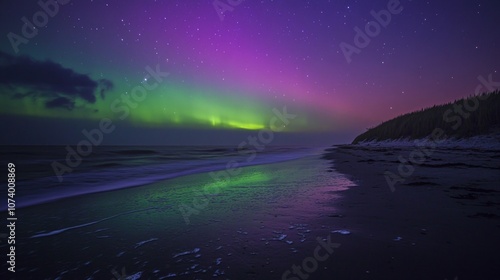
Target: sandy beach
{"type": "Point", "coordinates": [255, 226]}
{"type": "Point", "coordinates": [442, 222]}
{"type": "Point", "coordinates": [329, 215]}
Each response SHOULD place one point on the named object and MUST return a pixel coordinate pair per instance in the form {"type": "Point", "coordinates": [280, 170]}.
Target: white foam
{"type": "Point", "coordinates": [135, 276]}
{"type": "Point", "coordinates": [194, 251]}
{"type": "Point", "coordinates": [280, 237]}
{"type": "Point", "coordinates": [341, 231]}
{"type": "Point", "coordinates": [57, 231]}
{"type": "Point", "coordinates": [138, 244]}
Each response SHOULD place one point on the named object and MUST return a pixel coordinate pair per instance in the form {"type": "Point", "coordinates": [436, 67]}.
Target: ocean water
{"type": "Point", "coordinates": [116, 167]}
{"type": "Point", "coordinates": [140, 219]}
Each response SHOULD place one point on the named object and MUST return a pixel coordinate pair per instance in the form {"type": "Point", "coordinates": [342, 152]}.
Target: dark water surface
{"type": "Point", "coordinates": [116, 167]}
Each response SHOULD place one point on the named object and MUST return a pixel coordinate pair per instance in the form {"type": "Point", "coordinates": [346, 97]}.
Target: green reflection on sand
{"type": "Point", "coordinates": [185, 189]}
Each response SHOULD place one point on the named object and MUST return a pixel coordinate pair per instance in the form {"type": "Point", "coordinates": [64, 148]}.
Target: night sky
{"type": "Point", "coordinates": [208, 72]}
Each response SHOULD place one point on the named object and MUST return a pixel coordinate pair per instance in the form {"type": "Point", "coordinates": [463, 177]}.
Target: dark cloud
{"type": "Point", "coordinates": [105, 85]}
{"type": "Point", "coordinates": [58, 86]}
{"type": "Point", "coordinates": [61, 102]}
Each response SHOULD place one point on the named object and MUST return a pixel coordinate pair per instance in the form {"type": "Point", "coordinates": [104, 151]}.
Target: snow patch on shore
{"type": "Point", "coordinates": [482, 142]}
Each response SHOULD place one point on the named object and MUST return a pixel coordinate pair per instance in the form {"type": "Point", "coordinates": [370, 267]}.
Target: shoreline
{"type": "Point", "coordinates": [441, 223]}
{"type": "Point", "coordinates": [270, 217]}
{"type": "Point", "coordinates": [64, 192]}
{"type": "Point", "coordinates": [256, 227]}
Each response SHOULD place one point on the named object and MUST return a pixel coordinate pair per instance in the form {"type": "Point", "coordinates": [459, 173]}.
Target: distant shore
{"type": "Point", "coordinates": [441, 222]}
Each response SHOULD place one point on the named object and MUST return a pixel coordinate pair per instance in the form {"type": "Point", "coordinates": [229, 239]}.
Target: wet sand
{"type": "Point", "coordinates": [441, 222]}
{"type": "Point", "coordinates": [254, 226]}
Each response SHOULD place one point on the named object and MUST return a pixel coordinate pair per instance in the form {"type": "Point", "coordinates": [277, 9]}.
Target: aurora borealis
{"type": "Point", "coordinates": [227, 72]}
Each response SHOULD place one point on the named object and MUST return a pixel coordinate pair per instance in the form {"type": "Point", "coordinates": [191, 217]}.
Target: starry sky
{"type": "Point", "coordinates": [178, 72]}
